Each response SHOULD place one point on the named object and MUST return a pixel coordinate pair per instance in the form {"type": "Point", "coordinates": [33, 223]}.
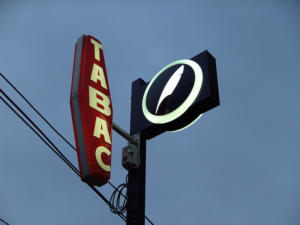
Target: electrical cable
{"type": "Point", "coordinates": [43, 118]}
{"type": "Point", "coordinates": [49, 124]}
{"type": "Point", "coordinates": [53, 147]}
{"type": "Point", "coordinates": [115, 199]}
{"type": "Point", "coordinates": [65, 140]}
{"type": "Point", "coordinates": [57, 151]}
{"type": "Point", "coordinates": [3, 221]}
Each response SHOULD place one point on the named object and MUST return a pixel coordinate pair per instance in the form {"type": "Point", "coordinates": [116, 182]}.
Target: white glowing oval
{"type": "Point", "coordinates": [161, 119]}
{"type": "Point", "coordinates": [190, 124]}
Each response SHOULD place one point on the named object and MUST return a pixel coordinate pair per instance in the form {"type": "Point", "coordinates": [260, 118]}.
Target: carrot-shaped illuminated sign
{"type": "Point", "coordinates": [91, 111]}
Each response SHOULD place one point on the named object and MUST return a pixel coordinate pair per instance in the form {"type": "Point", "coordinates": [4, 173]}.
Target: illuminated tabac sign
{"type": "Point", "coordinates": [91, 111]}
{"type": "Point", "coordinates": [176, 96]}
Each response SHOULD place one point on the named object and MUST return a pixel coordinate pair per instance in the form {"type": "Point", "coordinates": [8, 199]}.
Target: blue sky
{"type": "Point", "coordinates": [239, 164]}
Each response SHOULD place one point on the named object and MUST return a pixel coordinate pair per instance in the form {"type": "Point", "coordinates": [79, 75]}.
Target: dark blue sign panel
{"type": "Point", "coordinates": [176, 96]}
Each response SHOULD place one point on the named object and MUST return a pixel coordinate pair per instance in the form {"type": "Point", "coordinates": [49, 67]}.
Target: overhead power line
{"type": "Point", "coordinates": [50, 144]}
{"type": "Point", "coordinates": [57, 151]}
{"type": "Point", "coordinates": [43, 118]}
{"type": "Point", "coordinates": [40, 115]}
{"type": "Point", "coordinates": [3, 221]}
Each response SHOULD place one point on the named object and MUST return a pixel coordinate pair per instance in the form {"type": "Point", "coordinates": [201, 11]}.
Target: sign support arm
{"type": "Point", "coordinates": [124, 134]}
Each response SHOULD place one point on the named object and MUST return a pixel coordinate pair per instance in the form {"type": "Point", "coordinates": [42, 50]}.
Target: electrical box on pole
{"type": "Point", "coordinates": [131, 156]}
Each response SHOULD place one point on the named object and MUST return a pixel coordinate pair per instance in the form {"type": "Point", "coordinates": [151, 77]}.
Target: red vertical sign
{"type": "Point", "coordinates": [91, 111]}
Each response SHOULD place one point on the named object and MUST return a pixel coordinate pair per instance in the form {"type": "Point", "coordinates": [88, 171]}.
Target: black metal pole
{"type": "Point", "coordinates": [137, 177]}
{"type": "Point", "coordinates": [136, 189]}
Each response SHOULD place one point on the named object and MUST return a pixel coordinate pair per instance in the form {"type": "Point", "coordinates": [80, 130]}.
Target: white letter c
{"type": "Point", "coordinates": [98, 154]}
